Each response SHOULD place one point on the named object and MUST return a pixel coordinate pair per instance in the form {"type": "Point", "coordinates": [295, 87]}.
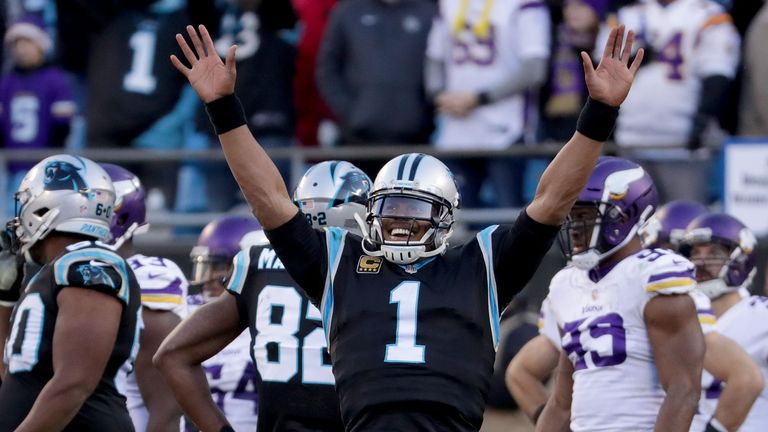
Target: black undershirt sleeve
{"type": "Point", "coordinates": [302, 251]}
{"type": "Point", "coordinates": [518, 251]}
{"type": "Point", "coordinates": [242, 309]}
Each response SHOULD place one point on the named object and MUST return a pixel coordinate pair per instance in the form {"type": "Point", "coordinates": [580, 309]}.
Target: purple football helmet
{"type": "Point", "coordinates": [220, 241]}
{"type": "Point", "coordinates": [666, 228]}
{"type": "Point", "coordinates": [739, 268]}
{"type": "Point", "coordinates": [624, 197]}
{"type": "Point", "coordinates": [130, 213]}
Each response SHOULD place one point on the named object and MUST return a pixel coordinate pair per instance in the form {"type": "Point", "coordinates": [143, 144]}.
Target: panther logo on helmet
{"type": "Point", "coordinates": [61, 175]}
{"type": "Point", "coordinates": [66, 194]}
{"type": "Point", "coordinates": [332, 193]}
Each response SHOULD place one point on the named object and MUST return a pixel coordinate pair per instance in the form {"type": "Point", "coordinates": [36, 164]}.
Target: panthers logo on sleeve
{"type": "Point", "coordinates": [94, 275]}
{"type": "Point", "coordinates": [93, 267]}
{"type": "Point", "coordinates": [60, 175]}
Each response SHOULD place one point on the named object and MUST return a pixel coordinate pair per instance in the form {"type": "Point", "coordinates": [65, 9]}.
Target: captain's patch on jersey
{"type": "Point", "coordinates": [369, 264]}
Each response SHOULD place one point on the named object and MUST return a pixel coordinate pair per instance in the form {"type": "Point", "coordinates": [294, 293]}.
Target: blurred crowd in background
{"type": "Point", "coordinates": [453, 74]}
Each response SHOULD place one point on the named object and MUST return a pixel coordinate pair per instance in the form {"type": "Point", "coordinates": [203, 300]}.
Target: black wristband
{"type": "Point", "coordinates": [225, 113]}
{"type": "Point", "coordinates": [537, 413]}
{"type": "Point", "coordinates": [597, 120]}
{"type": "Point", "coordinates": [483, 98]}
{"type": "Point", "coordinates": [226, 428]}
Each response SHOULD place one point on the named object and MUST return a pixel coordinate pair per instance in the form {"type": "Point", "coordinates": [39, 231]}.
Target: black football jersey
{"type": "Point", "coordinates": [412, 346]}
{"type": "Point", "coordinates": [296, 390]}
{"type": "Point", "coordinates": [131, 82]}
{"type": "Point", "coordinates": [29, 348]}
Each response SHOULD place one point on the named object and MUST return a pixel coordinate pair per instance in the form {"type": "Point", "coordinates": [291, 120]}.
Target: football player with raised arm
{"type": "Point", "coordinates": [76, 322]}
{"type": "Point", "coordinates": [411, 326]}
{"type": "Point", "coordinates": [723, 359]}
{"type": "Point", "coordinates": [296, 388]}
{"type": "Point", "coordinates": [723, 250]}
{"type": "Point", "coordinates": [163, 298]}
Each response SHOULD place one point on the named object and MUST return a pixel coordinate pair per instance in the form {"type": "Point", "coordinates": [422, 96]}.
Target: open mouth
{"type": "Point", "coordinates": [400, 234]}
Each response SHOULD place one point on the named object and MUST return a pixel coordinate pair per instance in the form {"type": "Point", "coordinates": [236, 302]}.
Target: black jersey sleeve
{"type": "Point", "coordinates": [303, 253]}
{"type": "Point", "coordinates": [94, 268]}
{"type": "Point", "coordinates": [238, 284]}
{"type": "Point", "coordinates": [518, 251]}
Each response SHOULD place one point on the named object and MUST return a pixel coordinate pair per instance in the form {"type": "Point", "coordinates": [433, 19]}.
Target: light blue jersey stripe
{"type": "Point", "coordinates": [484, 238]}
{"type": "Point", "coordinates": [240, 265]}
{"type": "Point", "coordinates": [335, 243]}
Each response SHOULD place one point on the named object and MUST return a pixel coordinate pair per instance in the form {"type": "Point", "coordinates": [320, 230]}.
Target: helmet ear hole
{"type": "Point", "coordinates": [120, 221]}
{"type": "Point", "coordinates": [41, 211]}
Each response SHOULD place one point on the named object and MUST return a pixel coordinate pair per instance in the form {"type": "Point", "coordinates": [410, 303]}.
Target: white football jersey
{"type": "Point", "coordinates": [747, 324]}
{"type": "Point", "coordinates": [691, 39]}
{"type": "Point", "coordinates": [518, 30]}
{"type": "Point", "coordinates": [707, 317]}
{"type": "Point", "coordinates": [605, 336]}
{"type": "Point", "coordinates": [163, 288]}
{"type": "Point", "coordinates": [548, 324]}
{"type": "Point", "coordinates": [232, 378]}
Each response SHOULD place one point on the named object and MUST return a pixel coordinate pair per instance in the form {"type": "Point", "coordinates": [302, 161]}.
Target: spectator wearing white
{"type": "Point", "coordinates": [482, 59]}
{"type": "Point", "coordinates": [692, 51]}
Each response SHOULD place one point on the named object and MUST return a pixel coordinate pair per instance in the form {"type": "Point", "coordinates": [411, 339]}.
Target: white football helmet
{"type": "Point", "coordinates": [331, 193]}
{"type": "Point", "coordinates": [67, 194]}
{"type": "Point", "coordinates": [426, 189]}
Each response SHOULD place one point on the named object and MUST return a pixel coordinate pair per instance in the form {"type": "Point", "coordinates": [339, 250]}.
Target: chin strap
{"type": "Point", "coordinates": [715, 288]}
{"type": "Point", "coordinates": [134, 229]}
{"type": "Point", "coordinates": [399, 254]}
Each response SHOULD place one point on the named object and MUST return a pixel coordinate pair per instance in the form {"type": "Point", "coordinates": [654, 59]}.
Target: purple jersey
{"type": "Point", "coordinates": [32, 104]}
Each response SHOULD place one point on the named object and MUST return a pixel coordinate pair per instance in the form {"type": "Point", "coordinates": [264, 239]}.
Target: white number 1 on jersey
{"type": "Point", "coordinates": [405, 350]}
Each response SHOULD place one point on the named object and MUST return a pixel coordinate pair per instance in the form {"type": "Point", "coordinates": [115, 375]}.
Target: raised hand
{"type": "Point", "coordinates": [209, 76]}
{"type": "Point", "coordinates": [610, 82]}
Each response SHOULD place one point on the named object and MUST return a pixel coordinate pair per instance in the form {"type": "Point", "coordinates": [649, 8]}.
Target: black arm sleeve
{"type": "Point", "coordinates": [518, 251]}
{"type": "Point", "coordinates": [302, 251]}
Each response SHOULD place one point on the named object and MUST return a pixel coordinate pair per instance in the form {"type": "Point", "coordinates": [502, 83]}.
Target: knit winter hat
{"type": "Point", "coordinates": [30, 27]}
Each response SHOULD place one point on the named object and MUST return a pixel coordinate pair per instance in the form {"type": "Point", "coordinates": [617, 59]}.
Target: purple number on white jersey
{"type": "Point", "coordinates": [576, 336]}
{"type": "Point", "coordinates": [468, 48]}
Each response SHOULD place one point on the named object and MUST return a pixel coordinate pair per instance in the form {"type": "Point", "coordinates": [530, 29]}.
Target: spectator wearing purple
{"type": "Point", "coordinates": [566, 91]}
{"type": "Point", "coordinates": [36, 105]}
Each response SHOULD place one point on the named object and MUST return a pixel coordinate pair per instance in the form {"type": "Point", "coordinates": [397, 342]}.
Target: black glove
{"type": "Point", "coordinates": [11, 268]}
